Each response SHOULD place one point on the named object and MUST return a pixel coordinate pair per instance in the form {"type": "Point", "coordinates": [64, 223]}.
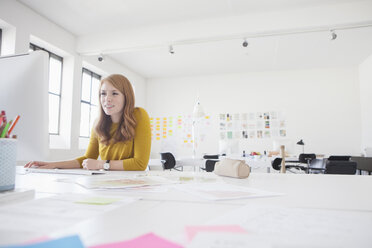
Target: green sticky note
{"type": "Point", "coordinates": [97, 201]}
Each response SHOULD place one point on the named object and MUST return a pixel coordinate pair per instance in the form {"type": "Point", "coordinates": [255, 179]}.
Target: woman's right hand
{"type": "Point", "coordinates": [40, 165]}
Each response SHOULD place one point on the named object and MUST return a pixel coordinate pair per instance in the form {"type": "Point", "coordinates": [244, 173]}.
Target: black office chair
{"type": "Point", "coordinates": [317, 166]}
{"type": "Point", "coordinates": [341, 167]}
{"type": "Point", "coordinates": [210, 162]}
{"type": "Point", "coordinates": [209, 165]}
{"type": "Point", "coordinates": [306, 158]}
{"type": "Point", "coordinates": [339, 158]}
{"type": "Point", "coordinates": [211, 156]}
{"type": "Point", "coordinates": [169, 162]}
{"type": "Point", "coordinates": [276, 163]}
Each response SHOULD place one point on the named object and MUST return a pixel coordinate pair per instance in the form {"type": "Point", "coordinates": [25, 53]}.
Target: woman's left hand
{"type": "Point", "coordinates": [92, 164]}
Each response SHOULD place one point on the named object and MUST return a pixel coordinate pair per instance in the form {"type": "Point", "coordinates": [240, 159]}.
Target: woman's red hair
{"type": "Point", "coordinates": [127, 122]}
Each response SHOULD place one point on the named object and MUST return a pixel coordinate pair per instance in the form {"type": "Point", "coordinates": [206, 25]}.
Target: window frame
{"type": "Point", "coordinates": [92, 75]}
{"type": "Point", "coordinates": [34, 47]}
{"type": "Point", "coordinates": [1, 39]}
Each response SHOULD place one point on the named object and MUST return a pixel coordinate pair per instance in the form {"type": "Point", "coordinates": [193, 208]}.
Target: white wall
{"type": "Point", "coordinates": [22, 25]}
{"type": "Point", "coordinates": [321, 105]}
{"type": "Point", "coordinates": [366, 101]}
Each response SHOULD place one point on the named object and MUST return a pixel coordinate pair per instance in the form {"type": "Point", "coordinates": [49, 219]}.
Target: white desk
{"type": "Point", "coordinates": [257, 164]}
{"type": "Point", "coordinates": [167, 213]}
{"type": "Point", "coordinates": [192, 163]}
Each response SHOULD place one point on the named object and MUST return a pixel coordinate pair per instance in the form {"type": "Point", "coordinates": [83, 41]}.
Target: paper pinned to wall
{"type": "Point", "coordinates": [253, 125]}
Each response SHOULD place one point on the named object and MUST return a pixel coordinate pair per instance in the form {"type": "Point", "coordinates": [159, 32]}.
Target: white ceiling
{"type": "Point", "coordinates": [89, 18]}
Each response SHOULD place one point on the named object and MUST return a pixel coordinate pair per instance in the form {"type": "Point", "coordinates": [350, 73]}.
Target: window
{"type": "Point", "coordinates": [1, 38]}
{"type": "Point", "coordinates": [55, 87]}
{"type": "Point", "coordinates": [89, 101]}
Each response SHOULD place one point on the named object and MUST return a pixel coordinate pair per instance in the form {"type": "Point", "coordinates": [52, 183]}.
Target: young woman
{"type": "Point", "coordinates": [122, 134]}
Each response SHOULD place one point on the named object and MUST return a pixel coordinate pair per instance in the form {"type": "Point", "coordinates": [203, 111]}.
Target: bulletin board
{"type": "Point", "coordinates": [177, 127]}
{"type": "Point", "coordinates": [252, 125]}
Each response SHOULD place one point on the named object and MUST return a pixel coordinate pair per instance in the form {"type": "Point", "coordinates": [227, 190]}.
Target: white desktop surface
{"type": "Point", "coordinates": [257, 164]}
{"type": "Point", "coordinates": [167, 213]}
{"type": "Point", "coordinates": [193, 163]}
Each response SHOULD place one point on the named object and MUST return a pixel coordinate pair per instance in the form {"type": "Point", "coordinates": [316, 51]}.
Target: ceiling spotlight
{"type": "Point", "coordinates": [171, 50]}
{"type": "Point", "coordinates": [100, 58]}
{"type": "Point", "coordinates": [333, 35]}
{"type": "Point", "coordinates": [245, 43]}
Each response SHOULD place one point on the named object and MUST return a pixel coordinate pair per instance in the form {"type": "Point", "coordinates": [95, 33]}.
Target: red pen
{"type": "Point", "coordinates": [13, 124]}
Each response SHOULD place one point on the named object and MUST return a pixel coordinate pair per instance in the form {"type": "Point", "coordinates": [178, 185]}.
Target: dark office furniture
{"type": "Point", "coordinates": [317, 166]}
{"type": "Point", "coordinates": [169, 162]}
{"type": "Point", "coordinates": [363, 164]}
{"type": "Point", "coordinates": [304, 158]}
{"type": "Point", "coordinates": [289, 164]}
{"type": "Point", "coordinates": [209, 165]}
{"type": "Point", "coordinates": [211, 156]}
{"type": "Point", "coordinates": [339, 158]}
{"type": "Point", "coordinates": [211, 160]}
{"type": "Point", "coordinates": [276, 163]}
{"type": "Point", "coordinates": [340, 167]}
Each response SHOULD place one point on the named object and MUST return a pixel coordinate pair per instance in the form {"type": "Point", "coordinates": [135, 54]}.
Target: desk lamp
{"type": "Point", "coordinates": [301, 143]}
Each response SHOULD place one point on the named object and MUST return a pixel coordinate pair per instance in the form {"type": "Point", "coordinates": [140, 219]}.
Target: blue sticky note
{"type": "Point", "coordinates": [70, 241]}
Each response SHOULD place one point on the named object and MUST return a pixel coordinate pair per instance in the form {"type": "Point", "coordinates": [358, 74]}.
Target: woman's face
{"type": "Point", "coordinates": [112, 101]}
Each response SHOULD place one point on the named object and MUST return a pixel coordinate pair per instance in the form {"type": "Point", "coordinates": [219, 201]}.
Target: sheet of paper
{"type": "Point", "coordinates": [141, 190]}
{"type": "Point", "coordinates": [111, 182]}
{"type": "Point", "coordinates": [191, 231]}
{"type": "Point", "coordinates": [65, 171]}
{"type": "Point", "coordinates": [35, 218]}
{"type": "Point", "coordinates": [300, 227]}
{"type": "Point", "coordinates": [144, 241]}
{"type": "Point", "coordinates": [98, 200]}
{"type": "Point", "coordinates": [223, 191]}
{"type": "Point", "coordinates": [70, 241]}
{"type": "Point", "coordinates": [227, 240]}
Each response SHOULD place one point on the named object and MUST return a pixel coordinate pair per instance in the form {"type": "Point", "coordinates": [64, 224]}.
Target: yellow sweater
{"type": "Point", "coordinates": [134, 153]}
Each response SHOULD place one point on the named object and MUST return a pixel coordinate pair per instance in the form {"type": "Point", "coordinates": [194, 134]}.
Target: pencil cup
{"type": "Point", "coordinates": [8, 162]}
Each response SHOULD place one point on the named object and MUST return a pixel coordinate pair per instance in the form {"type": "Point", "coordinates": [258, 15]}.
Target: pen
{"type": "Point", "coordinates": [13, 124]}
{"type": "Point", "coordinates": [3, 115]}
{"type": "Point", "coordinates": [5, 130]}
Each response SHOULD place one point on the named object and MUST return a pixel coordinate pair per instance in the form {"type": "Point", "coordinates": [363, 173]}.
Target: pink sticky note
{"type": "Point", "coordinates": [191, 231]}
{"type": "Point", "coordinates": [144, 241]}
